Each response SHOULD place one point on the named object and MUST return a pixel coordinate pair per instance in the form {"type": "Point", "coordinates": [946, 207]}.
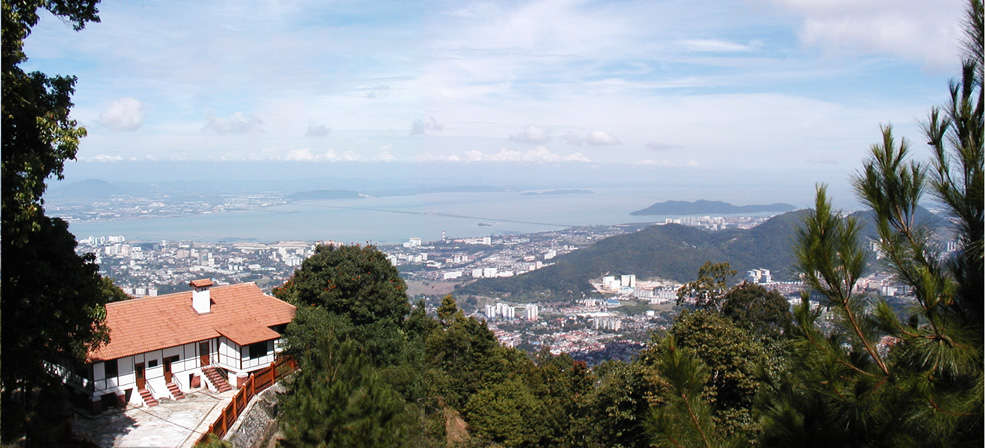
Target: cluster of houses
{"type": "Point", "coordinates": [164, 346]}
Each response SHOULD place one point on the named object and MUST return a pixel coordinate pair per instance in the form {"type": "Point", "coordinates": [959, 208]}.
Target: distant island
{"type": "Point", "coordinates": [551, 192]}
{"type": "Point", "coordinates": [703, 207]}
{"type": "Point", "coordinates": [323, 194]}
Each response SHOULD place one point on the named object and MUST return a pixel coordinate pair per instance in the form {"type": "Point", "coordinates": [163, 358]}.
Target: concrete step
{"type": "Point", "coordinates": [175, 391]}
{"type": "Point", "coordinates": [149, 399]}
{"type": "Point", "coordinates": [217, 379]}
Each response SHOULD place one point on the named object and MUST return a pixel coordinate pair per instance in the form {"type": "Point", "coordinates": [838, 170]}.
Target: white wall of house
{"type": "Point", "coordinates": [186, 362]}
{"type": "Point", "coordinates": [236, 358]}
{"type": "Point", "coordinates": [260, 361]}
{"type": "Point", "coordinates": [228, 353]}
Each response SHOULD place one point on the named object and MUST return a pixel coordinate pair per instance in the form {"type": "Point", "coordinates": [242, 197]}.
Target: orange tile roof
{"type": "Point", "coordinates": [240, 312]}
{"type": "Point", "coordinates": [201, 282]}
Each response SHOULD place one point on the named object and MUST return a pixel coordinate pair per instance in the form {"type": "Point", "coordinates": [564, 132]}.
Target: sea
{"type": "Point", "coordinates": [390, 219]}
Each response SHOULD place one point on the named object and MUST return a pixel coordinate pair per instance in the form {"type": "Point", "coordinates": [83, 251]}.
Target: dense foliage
{"type": "Point", "coordinates": [53, 299]}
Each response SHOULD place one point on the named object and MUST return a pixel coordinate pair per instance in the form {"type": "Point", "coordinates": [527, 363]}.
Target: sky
{"type": "Point", "coordinates": [701, 90]}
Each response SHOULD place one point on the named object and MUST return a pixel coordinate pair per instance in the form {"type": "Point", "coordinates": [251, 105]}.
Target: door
{"type": "Point", "coordinates": [203, 353]}
{"type": "Point", "coordinates": [167, 370]}
{"type": "Point", "coordinates": [141, 381]}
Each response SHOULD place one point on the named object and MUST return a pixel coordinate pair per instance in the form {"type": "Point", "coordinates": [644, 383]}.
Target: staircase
{"type": "Point", "coordinates": [175, 392]}
{"type": "Point", "coordinates": [149, 399]}
{"type": "Point", "coordinates": [216, 379]}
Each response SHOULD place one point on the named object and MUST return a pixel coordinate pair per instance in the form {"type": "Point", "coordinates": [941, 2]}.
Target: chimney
{"type": "Point", "coordinates": [201, 301]}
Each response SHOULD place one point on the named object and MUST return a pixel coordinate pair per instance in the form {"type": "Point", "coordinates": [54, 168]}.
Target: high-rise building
{"type": "Point", "coordinates": [530, 312]}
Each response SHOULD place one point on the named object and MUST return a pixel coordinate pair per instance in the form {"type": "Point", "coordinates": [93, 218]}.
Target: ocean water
{"type": "Point", "coordinates": [387, 220]}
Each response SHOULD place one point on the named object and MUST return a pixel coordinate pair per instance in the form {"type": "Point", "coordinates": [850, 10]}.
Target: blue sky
{"type": "Point", "coordinates": [703, 87]}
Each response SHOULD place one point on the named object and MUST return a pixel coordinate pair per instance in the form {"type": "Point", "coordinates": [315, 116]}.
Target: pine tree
{"type": "Point", "coordinates": [337, 399]}
{"type": "Point", "coordinates": [683, 415]}
{"type": "Point", "coordinates": [875, 379]}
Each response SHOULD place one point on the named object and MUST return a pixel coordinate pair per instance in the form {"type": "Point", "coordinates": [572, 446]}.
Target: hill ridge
{"type": "Point", "coordinates": [704, 207]}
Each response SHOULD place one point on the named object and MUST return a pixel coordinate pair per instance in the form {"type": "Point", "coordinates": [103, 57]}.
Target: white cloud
{"type": "Point", "coordinates": [237, 123]}
{"type": "Point", "coordinates": [438, 158]}
{"type": "Point", "coordinates": [300, 154]}
{"type": "Point", "coordinates": [576, 157]}
{"type": "Point", "coordinates": [650, 162]}
{"type": "Point", "coordinates": [593, 138]}
{"type": "Point", "coordinates": [345, 156]}
{"type": "Point", "coordinates": [385, 156]}
{"type": "Point", "coordinates": [640, 69]}
{"type": "Point", "coordinates": [714, 46]}
{"type": "Point", "coordinates": [419, 126]}
{"type": "Point", "coordinates": [317, 130]}
{"type": "Point", "coordinates": [532, 134]}
{"type": "Point", "coordinates": [660, 146]}
{"type": "Point", "coordinates": [101, 158]}
{"type": "Point", "coordinates": [536, 155]}
{"type": "Point", "coordinates": [124, 114]}
{"type": "Point", "coordinates": [918, 30]}
{"type": "Point", "coordinates": [601, 138]}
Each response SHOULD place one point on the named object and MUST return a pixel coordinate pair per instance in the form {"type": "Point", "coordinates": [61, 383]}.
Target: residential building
{"type": "Point", "coordinates": [163, 346]}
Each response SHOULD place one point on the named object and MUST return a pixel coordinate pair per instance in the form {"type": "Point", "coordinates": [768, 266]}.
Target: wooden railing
{"type": "Point", "coordinates": [258, 382]}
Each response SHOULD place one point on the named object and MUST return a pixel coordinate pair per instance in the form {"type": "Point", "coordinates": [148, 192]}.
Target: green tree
{"type": "Point", "coordinates": [358, 284]}
{"type": "Point", "coordinates": [38, 133]}
{"type": "Point", "coordinates": [564, 386]}
{"type": "Point", "coordinates": [356, 281]}
{"type": "Point", "coordinates": [619, 406]}
{"type": "Point", "coordinates": [875, 378]}
{"type": "Point", "coordinates": [765, 314]}
{"type": "Point", "coordinates": [112, 292]}
{"type": "Point", "coordinates": [708, 291]}
{"type": "Point", "coordinates": [53, 299]}
{"type": "Point", "coordinates": [842, 389]}
{"type": "Point", "coordinates": [507, 413]}
{"type": "Point", "coordinates": [337, 399]}
{"type": "Point", "coordinates": [683, 416]}
{"type": "Point", "coordinates": [730, 359]}
{"type": "Point", "coordinates": [465, 352]}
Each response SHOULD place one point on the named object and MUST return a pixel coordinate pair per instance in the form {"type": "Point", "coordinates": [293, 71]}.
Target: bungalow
{"type": "Point", "coordinates": [160, 347]}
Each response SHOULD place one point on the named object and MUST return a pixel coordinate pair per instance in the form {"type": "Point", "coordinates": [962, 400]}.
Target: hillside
{"type": "Point", "coordinates": [703, 207]}
{"type": "Point", "coordinates": [669, 251]}
{"type": "Point", "coordinates": [93, 189]}
{"type": "Point", "coordinates": [672, 252]}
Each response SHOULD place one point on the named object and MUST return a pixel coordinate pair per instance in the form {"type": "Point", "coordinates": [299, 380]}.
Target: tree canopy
{"type": "Point", "coordinates": [356, 281]}
{"type": "Point", "coordinates": [53, 299]}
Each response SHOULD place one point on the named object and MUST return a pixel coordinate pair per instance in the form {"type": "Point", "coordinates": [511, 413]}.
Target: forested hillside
{"type": "Point", "coordinates": [671, 251]}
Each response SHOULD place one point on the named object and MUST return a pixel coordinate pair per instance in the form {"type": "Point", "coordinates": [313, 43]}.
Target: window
{"type": "Point", "coordinates": [258, 350]}
{"type": "Point", "coordinates": [152, 363]}
{"type": "Point", "coordinates": [111, 368]}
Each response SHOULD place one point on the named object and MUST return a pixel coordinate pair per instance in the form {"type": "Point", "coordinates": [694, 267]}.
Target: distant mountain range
{"type": "Point", "coordinates": [86, 189]}
{"type": "Point", "coordinates": [671, 251]}
{"type": "Point", "coordinates": [703, 207]}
